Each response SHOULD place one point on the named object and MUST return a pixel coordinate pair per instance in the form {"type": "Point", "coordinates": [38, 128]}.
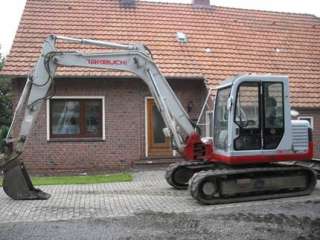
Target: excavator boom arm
{"type": "Point", "coordinates": [134, 58]}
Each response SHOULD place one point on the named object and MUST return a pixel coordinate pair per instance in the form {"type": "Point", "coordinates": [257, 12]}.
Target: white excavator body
{"type": "Point", "coordinates": [252, 129]}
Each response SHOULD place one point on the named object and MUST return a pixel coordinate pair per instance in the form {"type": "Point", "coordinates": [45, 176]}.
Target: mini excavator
{"type": "Point", "coordinates": [254, 152]}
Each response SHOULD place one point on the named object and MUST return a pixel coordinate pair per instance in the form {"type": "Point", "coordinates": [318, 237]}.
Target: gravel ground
{"type": "Point", "coordinates": [272, 222]}
{"type": "Point", "coordinates": [167, 214]}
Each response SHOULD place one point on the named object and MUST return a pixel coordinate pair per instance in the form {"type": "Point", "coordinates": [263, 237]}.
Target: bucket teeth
{"type": "Point", "coordinates": [17, 183]}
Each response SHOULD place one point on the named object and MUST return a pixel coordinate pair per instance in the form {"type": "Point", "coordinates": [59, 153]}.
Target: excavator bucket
{"type": "Point", "coordinates": [17, 183]}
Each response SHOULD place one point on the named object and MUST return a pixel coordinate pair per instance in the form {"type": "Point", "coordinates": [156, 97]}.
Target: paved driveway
{"type": "Point", "coordinates": [148, 192]}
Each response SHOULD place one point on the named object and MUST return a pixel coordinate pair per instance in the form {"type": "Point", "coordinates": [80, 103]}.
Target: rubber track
{"type": "Point", "coordinates": [313, 164]}
{"type": "Point", "coordinates": [197, 178]}
{"type": "Point", "coordinates": [174, 166]}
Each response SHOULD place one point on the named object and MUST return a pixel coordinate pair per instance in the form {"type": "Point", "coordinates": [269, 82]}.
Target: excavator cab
{"type": "Point", "coordinates": [252, 121]}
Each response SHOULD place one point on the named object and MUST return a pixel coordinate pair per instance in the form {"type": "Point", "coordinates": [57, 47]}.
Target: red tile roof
{"type": "Point", "coordinates": [240, 40]}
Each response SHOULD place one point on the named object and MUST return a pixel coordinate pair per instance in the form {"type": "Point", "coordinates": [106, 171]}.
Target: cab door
{"type": "Point", "coordinates": [273, 114]}
{"type": "Point", "coordinates": [258, 116]}
{"type": "Point", "coordinates": [247, 117]}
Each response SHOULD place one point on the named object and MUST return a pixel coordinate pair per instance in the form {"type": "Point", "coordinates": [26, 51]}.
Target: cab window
{"type": "Point", "coordinates": [273, 115]}
{"type": "Point", "coordinates": [221, 116]}
{"type": "Point", "coordinates": [247, 117]}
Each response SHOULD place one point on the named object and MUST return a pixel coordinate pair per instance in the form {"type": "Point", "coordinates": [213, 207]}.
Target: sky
{"type": "Point", "coordinates": [11, 11]}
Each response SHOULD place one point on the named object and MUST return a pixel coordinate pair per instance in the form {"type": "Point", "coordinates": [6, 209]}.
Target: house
{"type": "Point", "coordinates": [106, 120]}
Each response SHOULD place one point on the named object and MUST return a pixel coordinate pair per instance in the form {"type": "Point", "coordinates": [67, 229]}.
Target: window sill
{"type": "Point", "coordinates": [76, 140]}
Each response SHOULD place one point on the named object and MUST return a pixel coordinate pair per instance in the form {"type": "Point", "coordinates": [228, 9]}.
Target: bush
{"type": "Point", "coordinates": [3, 133]}
{"type": "Point", "coordinates": [5, 106]}
{"type": "Point", "coordinates": [5, 102]}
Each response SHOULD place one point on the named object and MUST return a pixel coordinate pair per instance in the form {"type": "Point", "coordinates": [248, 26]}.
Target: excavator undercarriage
{"type": "Point", "coordinates": [215, 183]}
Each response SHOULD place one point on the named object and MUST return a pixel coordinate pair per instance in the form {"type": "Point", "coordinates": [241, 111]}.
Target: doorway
{"type": "Point", "coordinates": [158, 145]}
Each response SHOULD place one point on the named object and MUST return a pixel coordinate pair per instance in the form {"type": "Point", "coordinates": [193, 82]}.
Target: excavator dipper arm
{"type": "Point", "coordinates": [16, 181]}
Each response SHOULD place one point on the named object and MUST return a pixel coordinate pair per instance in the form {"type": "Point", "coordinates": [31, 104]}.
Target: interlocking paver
{"type": "Point", "coordinates": [148, 192]}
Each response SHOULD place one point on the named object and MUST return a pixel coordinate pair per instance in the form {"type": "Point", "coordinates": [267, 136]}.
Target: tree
{"type": "Point", "coordinates": [5, 104]}
{"type": "Point", "coordinates": [5, 98]}
{"type": "Point", "coordinates": [1, 61]}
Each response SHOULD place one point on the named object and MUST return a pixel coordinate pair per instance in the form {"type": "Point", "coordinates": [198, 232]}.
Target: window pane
{"type": "Point", "coordinates": [93, 117]}
{"type": "Point", "coordinates": [247, 111]}
{"type": "Point", "coordinates": [247, 117]}
{"type": "Point", "coordinates": [274, 116]}
{"type": "Point", "coordinates": [273, 105]}
{"type": "Point", "coordinates": [158, 125]}
{"type": "Point", "coordinates": [65, 117]}
{"type": "Point", "coordinates": [221, 119]}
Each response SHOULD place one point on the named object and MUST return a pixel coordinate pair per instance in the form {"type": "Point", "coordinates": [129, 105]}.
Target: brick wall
{"type": "Point", "coordinates": [125, 126]}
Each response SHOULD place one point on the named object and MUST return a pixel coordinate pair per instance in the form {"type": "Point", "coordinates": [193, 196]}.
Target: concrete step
{"type": "Point", "coordinates": [148, 164]}
{"type": "Point", "coordinates": [157, 161]}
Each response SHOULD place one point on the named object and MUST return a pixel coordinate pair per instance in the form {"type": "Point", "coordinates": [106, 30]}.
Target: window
{"type": "Point", "coordinates": [76, 118]}
{"type": "Point", "coordinates": [158, 125]}
{"type": "Point", "coordinates": [273, 115]}
{"type": "Point", "coordinates": [259, 115]}
{"type": "Point", "coordinates": [307, 118]}
{"type": "Point", "coordinates": [221, 119]}
{"type": "Point", "coordinates": [247, 117]}
{"type": "Point", "coordinates": [247, 106]}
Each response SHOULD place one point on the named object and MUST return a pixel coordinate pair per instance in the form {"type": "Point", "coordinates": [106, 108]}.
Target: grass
{"type": "Point", "coordinates": [67, 180]}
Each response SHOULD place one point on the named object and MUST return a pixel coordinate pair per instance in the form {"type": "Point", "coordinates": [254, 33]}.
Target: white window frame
{"type": "Point", "coordinates": [78, 97]}
{"type": "Point", "coordinates": [302, 117]}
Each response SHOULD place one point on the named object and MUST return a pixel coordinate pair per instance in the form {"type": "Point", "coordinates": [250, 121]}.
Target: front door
{"type": "Point", "coordinates": [158, 145]}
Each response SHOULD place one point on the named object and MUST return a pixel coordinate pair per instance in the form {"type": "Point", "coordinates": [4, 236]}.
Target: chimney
{"type": "Point", "coordinates": [127, 3]}
{"type": "Point", "coordinates": [201, 4]}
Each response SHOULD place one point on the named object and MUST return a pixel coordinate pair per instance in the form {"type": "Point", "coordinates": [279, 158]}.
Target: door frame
{"type": "Point", "coordinates": [146, 126]}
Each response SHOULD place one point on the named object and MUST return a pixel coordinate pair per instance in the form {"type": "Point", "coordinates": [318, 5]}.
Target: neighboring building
{"type": "Point", "coordinates": [106, 120]}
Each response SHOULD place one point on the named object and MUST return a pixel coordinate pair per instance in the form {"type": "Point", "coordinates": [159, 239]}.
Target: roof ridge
{"type": "Point", "coordinates": [163, 2]}
{"type": "Point", "coordinates": [267, 11]}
